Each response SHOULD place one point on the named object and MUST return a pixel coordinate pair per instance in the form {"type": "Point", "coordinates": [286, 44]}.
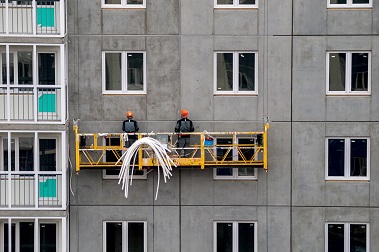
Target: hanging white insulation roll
{"type": "Point", "coordinates": [160, 153]}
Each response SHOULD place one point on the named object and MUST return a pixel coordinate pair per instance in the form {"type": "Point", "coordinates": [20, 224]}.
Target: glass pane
{"type": "Point", "coordinates": [136, 237]}
{"type": "Point", "coordinates": [224, 71]}
{"type": "Point", "coordinates": [337, 71]}
{"type": "Point", "coordinates": [224, 172]}
{"type": "Point", "coordinates": [246, 237]}
{"type": "Point", "coordinates": [114, 237]}
{"type": "Point", "coordinates": [247, 2]}
{"type": "Point", "coordinates": [135, 71]}
{"type": "Point", "coordinates": [112, 1]}
{"type": "Point", "coordinates": [358, 238]}
{"type": "Point", "coordinates": [113, 71]}
{"type": "Point", "coordinates": [336, 157]}
{"type": "Point", "coordinates": [358, 157]}
{"type": "Point", "coordinates": [224, 237]}
{"type": "Point", "coordinates": [6, 237]}
{"type": "Point", "coordinates": [26, 237]}
{"type": "Point", "coordinates": [361, 1]}
{"type": "Point", "coordinates": [4, 67]}
{"type": "Point", "coordinates": [5, 146]}
{"type": "Point", "coordinates": [46, 68]}
{"type": "Point", "coordinates": [26, 153]}
{"type": "Point", "coordinates": [336, 238]}
{"type": "Point", "coordinates": [134, 2]}
{"type": "Point", "coordinates": [246, 75]}
{"type": "Point", "coordinates": [338, 1]}
{"type": "Point", "coordinates": [224, 152]}
{"type": "Point", "coordinates": [359, 72]}
{"type": "Point", "coordinates": [47, 155]}
{"type": "Point", "coordinates": [224, 1]}
{"type": "Point", "coordinates": [48, 237]}
{"type": "Point", "coordinates": [246, 146]}
{"type": "Point", "coordinates": [25, 67]}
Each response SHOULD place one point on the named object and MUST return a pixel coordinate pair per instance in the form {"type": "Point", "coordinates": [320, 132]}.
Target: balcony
{"type": "Point", "coordinates": [28, 103]}
{"type": "Point", "coordinates": [20, 190]}
{"type": "Point", "coordinates": [35, 17]}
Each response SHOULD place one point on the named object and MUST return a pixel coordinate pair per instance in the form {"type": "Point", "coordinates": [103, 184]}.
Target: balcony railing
{"type": "Point", "coordinates": [31, 190]}
{"type": "Point", "coordinates": [37, 17]}
{"type": "Point", "coordinates": [30, 103]}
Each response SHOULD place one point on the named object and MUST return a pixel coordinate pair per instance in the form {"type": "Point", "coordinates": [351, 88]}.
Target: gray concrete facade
{"type": "Point", "coordinates": [292, 201]}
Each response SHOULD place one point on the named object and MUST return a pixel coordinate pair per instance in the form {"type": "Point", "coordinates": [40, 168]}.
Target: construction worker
{"type": "Point", "coordinates": [130, 126]}
{"type": "Point", "coordinates": [183, 125]}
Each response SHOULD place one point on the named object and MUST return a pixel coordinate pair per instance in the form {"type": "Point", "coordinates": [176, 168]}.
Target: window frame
{"type": "Point", "coordinates": [347, 237]}
{"type": "Point", "coordinates": [124, 234]}
{"type": "Point", "coordinates": [124, 69]}
{"type": "Point", "coordinates": [236, 4]}
{"type": "Point", "coordinates": [348, 74]}
{"type": "Point", "coordinates": [236, 65]}
{"type": "Point", "coordinates": [235, 156]}
{"type": "Point", "coordinates": [123, 5]}
{"type": "Point", "coordinates": [235, 234]}
{"type": "Point", "coordinates": [349, 4]}
{"type": "Point", "coordinates": [347, 149]}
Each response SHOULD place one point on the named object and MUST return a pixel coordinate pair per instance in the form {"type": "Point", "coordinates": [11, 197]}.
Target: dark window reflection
{"type": "Point", "coordinates": [246, 237]}
{"type": "Point", "coordinates": [224, 237]}
{"type": "Point", "coordinates": [359, 70]}
{"type": "Point", "coordinates": [337, 71]}
{"type": "Point", "coordinates": [114, 237]}
{"type": "Point", "coordinates": [135, 71]}
{"type": "Point", "coordinates": [136, 236]}
{"type": "Point", "coordinates": [246, 72]}
{"type": "Point", "coordinates": [336, 157]}
{"type": "Point", "coordinates": [358, 157]}
{"type": "Point", "coordinates": [47, 154]}
{"type": "Point", "coordinates": [224, 71]}
{"type": "Point", "coordinates": [48, 237]}
{"type": "Point", "coordinates": [358, 237]}
{"type": "Point", "coordinates": [336, 238]}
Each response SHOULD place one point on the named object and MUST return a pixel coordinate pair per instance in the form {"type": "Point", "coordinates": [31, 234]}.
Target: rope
{"type": "Point", "coordinates": [164, 162]}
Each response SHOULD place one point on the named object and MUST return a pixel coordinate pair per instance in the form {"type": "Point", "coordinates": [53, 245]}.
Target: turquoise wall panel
{"type": "Point", "coordinates": [45, 17]}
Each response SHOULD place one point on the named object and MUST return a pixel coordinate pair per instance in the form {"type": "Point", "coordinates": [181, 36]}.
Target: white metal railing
{"type": "Point", "coordinates": [31, 103]}
{"type": "Point", "coordinates": [31, 190]}
{"type": "Point", "coordinates": [33, 17]}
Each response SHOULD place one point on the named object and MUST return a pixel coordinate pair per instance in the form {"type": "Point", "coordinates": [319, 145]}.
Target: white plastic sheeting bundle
{"type": "Point", "coordinates": [160, 153]}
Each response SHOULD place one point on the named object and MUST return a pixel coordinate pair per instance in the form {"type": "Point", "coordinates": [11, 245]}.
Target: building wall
{"type": "Point", "coordinates": [290, 203]}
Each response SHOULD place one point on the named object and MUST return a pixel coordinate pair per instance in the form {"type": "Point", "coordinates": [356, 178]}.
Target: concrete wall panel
{"type": "Point", "coordinates": [349, 22]}
{"type": "Point", "coordinates": [125, 43]}
{"type": "Point", "coordinates": [163, 17]}
{"type": "Point", "coordinates": [234, 43]}
{"type": "Point", "coordinates": [347, 108]}
{"type": "Point", "coordinates": [116, 106]}
{"type": "Point", "coordinates": [308, 164]}
{"type": "Point", "coordinates": [197, 187]}
{"type": "Point", "coordinates": [278, 19]}
{"type": "Point", "coordinates": [347, 214]}
{"type": "Point", "coordinates": [227, 108]}
{"type": "Point", "coordinates": [235, 192]}
{"type": "Point", "coordinates": [374, 172]}
{"type": "Point", "coordinates": [196, 17]}
{"type": "Point", "coordinates": [309, 74]}
{"type": "Point", "coordinates": [166, 229]}
{"type": "Point", "coordinates": [279, 226]}
{"type": "Point", "coordinates": [235, 22]}
{"type": "Point", "coordinates": [347, 194]}
{"type": "Point", "coordinates": [309, 17]}
{"type": "Point", "coordinates": [163, 78]}
{"type": "Point", "coordinates": [124, 21]}
{"type": "Point", "coordinates": [89, 17]}
{"type": "Point", "coordinates": [375, 76]}
{"type": "Point", "coordinates": [197, 77]}
{"type": "Point", "coordinates": [343, 129]}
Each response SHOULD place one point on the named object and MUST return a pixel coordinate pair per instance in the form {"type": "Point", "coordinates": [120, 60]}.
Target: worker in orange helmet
{"type": "Point", "coordinates": [130, 126]}
{"type": "Point", "coordinates": [183, 125]}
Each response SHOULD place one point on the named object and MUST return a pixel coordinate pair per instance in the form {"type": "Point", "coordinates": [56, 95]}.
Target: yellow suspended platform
{"type": "Point", "coordinates": [207, 149]}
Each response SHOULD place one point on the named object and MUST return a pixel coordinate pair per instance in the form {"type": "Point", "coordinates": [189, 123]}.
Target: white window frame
{"type": "Point", "coordinates": [349, 4]}
{"type": "Point", "coordinates": [235, 234]}
{"type": "Point", "coordinates": [236, 5]}
{"type": "Point", "coordinates": [347, 234]}
{"type": "Point", "coordinates": [123, 5]}
{"type": "Point", "coordinates": [61, 231]}
{"type": "Point", "coordinates": [235, 169]}
{"type": "Point", "coordinates": [348, 74]}
{"type": "Point", "coordinates": [235, 90]}
{"type": "Point", "coordinates": [124, 84]}
{"type": "Point", "coordinates": [124, 234]}
{"type": "Point", "coordinates": [347, 160]}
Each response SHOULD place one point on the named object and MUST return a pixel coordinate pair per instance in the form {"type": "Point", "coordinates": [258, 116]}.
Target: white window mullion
{"type": "Point", "coordinates": [34, 17]}
{"type": "Point", "coordinates": [9, 171]}
{"type": "Point", "coordinates": [62, 70]}
{"type": "Point", "coordinates": [348, 72]}
{"type": "Point", "coordinates": [347, 157]}
{"type": "Point", "coordinates": [16, 154]}
{"type": "Point", "coordinates": [35, 90]}
{"type": "Point", "coordinates": [17, 236]}
{"type": "Point", "coordinates": [144, 74]}
{"type": "Point", "coordinates": [63, 158]}
{"type": "Point", "coordinates": [8, 81]}
{"type": "Point", "coordinates": [124, 71]}
{"type": "Point", "coordinates": [62, 17]}
{"type": "Point", "coordinates": [36, 169]}
{"type": "Point", "coordinates": [235, 72]}
{"type": "Point", "coordinates": [124, 235]}
{"type": "Point", "coordinates": [6, 17]}
{"type": "Point", "coordinates": [36, 235]}
{"type": "Point", "coordinates": [347, 237]}
{"type": "Point", "coordinates": [9, 235]}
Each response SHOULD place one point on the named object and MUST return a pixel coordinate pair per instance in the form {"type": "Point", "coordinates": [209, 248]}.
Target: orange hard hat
{"type": "Point", "coordinates": [184, 112]}
{"type": "Point", "coordinates": [129, 114]}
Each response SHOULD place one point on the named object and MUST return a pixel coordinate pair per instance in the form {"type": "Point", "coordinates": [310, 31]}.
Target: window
{"type": "Point", "coordinates": [235, 236]}
{"type": "Point", "coordinates": [22, 148]}
{"type": "Point", "coordinates": [123, 3]}
{"type": "Point", "coordinates": [124, 73]}
{"type": "Point", "coordinates": [235, 73]}
{"type": "Point", "coordinates": [348, 158]}
{"type": "Point", "coordinates": [236, 3]}
{"type": "Point", "coordinates": [125, 236]}
{"type": "Point", "coordinates": [345, 237]}
{"type": "Point", "coordinates": [349, 3]}
{"type": "Point", "coordinates": [113, 156]}
{"type": "Point", "coordinates": [23, 236]}
{"type": "Point", "coordinates": [348, 72]}
{"type": "Point", "coordinates": [228, 151]}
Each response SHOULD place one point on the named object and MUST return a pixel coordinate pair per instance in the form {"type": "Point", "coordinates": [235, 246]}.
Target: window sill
{"type": "Point", "coordinates": [348, 94]}
{"type": "Point", "coordinates": [235, 179]}
{"type": "Point", "coordinates": [350, 8]}
{"type": "Point", "coordinates": [347, 180]}
{"type": "Point", "coordinates": [236, 8]}
{"type": "Point", "coordinates": [123, 7]}
{"type": "Point", "coordinates": [109, 94]}
{"type": "Point", "coordinates": [234, 94]}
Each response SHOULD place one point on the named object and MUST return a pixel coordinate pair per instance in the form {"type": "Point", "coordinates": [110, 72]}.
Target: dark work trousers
{"type": "Point", "coordinates": [130, 142]}
{"type": "Point", "coordinates": [182, 143]}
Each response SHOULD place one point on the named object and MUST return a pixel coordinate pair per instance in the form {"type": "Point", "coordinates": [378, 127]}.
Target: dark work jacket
{"type": "Point", "coordinates": [130, 126]}
{"type": "Point", "coordinates": [184, 125]}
